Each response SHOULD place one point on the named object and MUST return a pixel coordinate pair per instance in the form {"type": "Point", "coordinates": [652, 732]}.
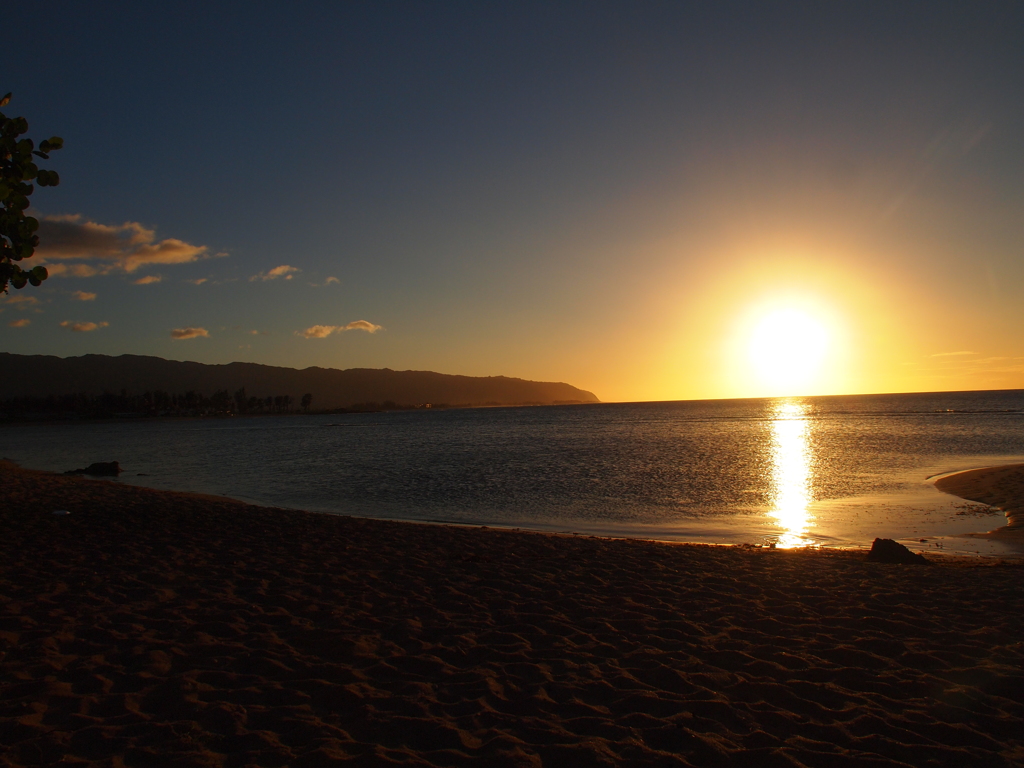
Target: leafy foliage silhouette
{"type": "Point", "coordinates": [18, 238]}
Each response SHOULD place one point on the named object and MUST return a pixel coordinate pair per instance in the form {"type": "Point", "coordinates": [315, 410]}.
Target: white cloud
{"type": "Point", "coordinates": [189, 333]}
{"type": "Point", "coordinates": [19, 323]}
{"type": "Point", "coordinates": [284, 271]}
{"type": "Point", "coordinates": [117, 248]}
{"type": "Point", "coordinates": [83, 296]}
{"type": "Point", "coordinates": [148, 280]}
{"type": "Point", "coordinates": [81, 327]}
{"type": "Point", "coordinates": [323, 331]}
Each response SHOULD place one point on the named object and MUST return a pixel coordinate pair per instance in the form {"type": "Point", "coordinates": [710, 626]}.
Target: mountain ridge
{"type": "Point", "coordinates": [46, 375]}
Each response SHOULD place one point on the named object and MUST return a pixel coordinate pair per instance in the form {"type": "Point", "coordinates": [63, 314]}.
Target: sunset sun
{"type": "Point", "coordinates": [787, 350]}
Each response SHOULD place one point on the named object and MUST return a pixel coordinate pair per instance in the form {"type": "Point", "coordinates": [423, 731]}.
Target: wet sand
{"type": "Point", "coordinates": [155, 628]}
{"type": "Point", "coordinates": [1001, 487]}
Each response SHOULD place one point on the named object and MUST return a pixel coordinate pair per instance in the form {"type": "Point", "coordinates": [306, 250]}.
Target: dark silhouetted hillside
{"type": "Point", "coordinates": [44, 375]}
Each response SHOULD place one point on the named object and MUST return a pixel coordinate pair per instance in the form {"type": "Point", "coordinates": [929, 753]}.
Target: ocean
{"type": "Point", "coordinates": [815, 471]}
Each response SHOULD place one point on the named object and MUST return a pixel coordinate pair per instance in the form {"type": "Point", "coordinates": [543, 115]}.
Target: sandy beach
{"type": "Point", "coordinates": [156, 628]}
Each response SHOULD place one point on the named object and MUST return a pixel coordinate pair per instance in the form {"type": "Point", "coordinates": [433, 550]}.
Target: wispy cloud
{"type": "Point", "coordinates": [73, 270]}
{"type": "Point", "coordinates": [81, 327]}
{"type": "Point", "coordinates": [362, 325]}
{"type": "Point", "coordinates": [20, 323]}
{"type": "Point", "coordinates": [328, 281]}
{"type": "Point", "coordinates": [323, 331]}
{"type": "Point", "coordinates": [198, 280]}
{"type": "Point", "coordinates": [148, 280]}
{"type": "Point", "coordinates": [20, 301]}
{"type": "Point", "coordinates": [284, 271]}
{"type": "Point", "coordinates": [189, 333]}
{"type": "Point", "coordinates": [111, 248]}
{"type": "Point", "coordinates": [317, 331]}
{"type": "Point", "coordinates": [83, 296]}
{"type": "Point", "coordinates": [255, 332]}
{"type": "Point", "coordinates": [953, 354]}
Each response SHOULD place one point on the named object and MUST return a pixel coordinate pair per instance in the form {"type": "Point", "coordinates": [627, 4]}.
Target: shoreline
{"type": "Point", "coordinates": [733, 534]}
{"type": "Point", "coordinates": [1013, 546]}
{"type": "Point", "coordinates": [158, 626]}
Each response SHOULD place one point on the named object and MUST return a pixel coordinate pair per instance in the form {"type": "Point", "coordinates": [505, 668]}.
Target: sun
{"type": "Point", "coordinates": [787, 350]}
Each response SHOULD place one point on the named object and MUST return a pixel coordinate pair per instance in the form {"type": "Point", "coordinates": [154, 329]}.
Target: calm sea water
{"type": "Point", "coordinates": [833, 471]}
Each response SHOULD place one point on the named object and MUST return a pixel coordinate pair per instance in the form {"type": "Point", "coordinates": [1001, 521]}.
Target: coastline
{"type": "Point", "coordinates": [152, 625]}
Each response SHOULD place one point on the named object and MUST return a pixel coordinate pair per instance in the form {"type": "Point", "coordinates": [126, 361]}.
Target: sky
{"type": "Point", "coordinates": [647, 200]}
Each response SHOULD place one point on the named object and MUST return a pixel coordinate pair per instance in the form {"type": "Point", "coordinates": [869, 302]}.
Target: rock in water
{"type": "Point", "coordinates": [98, 469]}
{"type": "Point", "coordinates": [889, 551]}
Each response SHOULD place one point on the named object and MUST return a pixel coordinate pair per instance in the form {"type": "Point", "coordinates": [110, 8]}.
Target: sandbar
{"type": "Point", "coordinates": [1001, 487]}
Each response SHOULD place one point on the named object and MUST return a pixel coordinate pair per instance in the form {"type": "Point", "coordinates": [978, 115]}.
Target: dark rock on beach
{"type": "Point", "coordinates": [98, 469]}
{"type": "Point", "coordinates": [889, 551]}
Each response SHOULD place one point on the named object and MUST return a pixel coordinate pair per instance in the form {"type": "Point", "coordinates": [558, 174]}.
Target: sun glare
{"type": "Point", "coordinates": [791, 474]}
{"type": "Point", "coordinates": [787, 349]}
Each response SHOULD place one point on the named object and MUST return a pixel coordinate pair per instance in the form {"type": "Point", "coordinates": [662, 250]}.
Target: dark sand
{"type": "Point", "coordinates": [152, 628]}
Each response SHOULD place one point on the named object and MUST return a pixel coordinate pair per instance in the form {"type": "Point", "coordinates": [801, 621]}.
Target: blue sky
{"type": "Point", "coordinates": [586, 192]}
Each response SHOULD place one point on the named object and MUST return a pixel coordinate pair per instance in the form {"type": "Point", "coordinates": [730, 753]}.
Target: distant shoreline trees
{"type": "Point", "coordinates": [158, 403]}
{"type": "Point", "coordinates": [149, 403]}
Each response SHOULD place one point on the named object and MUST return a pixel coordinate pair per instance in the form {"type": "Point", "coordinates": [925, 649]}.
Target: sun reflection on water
{"type": "Point", "coordinates": [791, 474]}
